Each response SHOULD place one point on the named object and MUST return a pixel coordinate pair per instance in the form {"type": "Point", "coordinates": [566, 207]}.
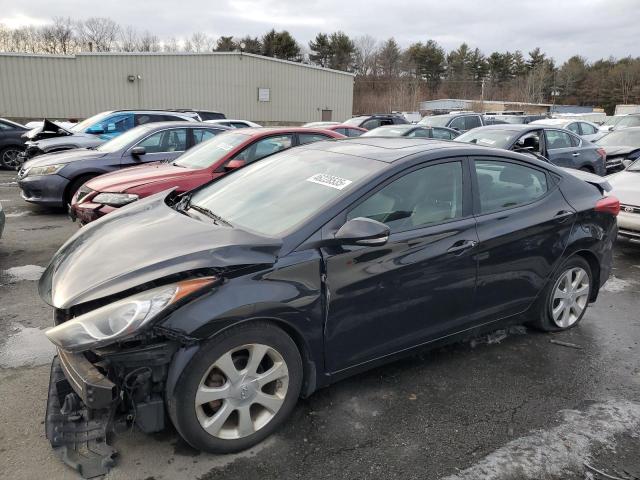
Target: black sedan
{"type": "Point", "coordinates": [413, 131]}
{"type": "Point", "coordinates": [222, 306]}
{"type": "Point", "coordinates": [622, 147]}
{"type": "Point", "coordinates": [11, 143]}
{"type": "Point", "coordinates": [561, 147]}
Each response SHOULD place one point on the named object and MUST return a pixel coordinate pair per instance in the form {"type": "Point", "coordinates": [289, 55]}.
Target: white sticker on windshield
{"type": "Point", "coordinates": [329, 181]}
{"type": "Point", "coordinates": [226, 147]}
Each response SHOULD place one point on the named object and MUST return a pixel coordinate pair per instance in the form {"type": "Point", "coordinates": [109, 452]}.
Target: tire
{"type": "Point", "coordinates": [551, 316]}
{"type": "Point", "coordinates": [587, 169]}
{"type": "Point", "coordinates": [9, 157]}
{"type": "Point", "coordinates": [74, 186]}
{"type": "Point", "coordinates": [224, 366]}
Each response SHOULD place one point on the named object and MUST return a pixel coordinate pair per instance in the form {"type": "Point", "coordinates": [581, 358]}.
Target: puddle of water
{"type": "Point", "coordinates": [550, 453]}
{"type": "Point", "coordinates": [26, 347]}
{"type": "Point", "coordinates": [26, 272]}
{"type": "Point", "coordinates": [616, 285]}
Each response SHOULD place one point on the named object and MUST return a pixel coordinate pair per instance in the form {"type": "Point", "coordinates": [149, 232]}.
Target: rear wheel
{"type": "Point", "coordinates": [9, 157]}
{"type": "Point", "coordinates": [566, 298]}
{"type": "Point", "coordinates": [238, 389]}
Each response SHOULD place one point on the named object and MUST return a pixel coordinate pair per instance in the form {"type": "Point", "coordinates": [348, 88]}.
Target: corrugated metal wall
{"type": "Point", "coordinates": [36, 86]}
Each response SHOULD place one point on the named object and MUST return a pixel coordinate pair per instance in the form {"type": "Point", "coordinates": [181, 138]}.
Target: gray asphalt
{"type": "Point", "coordinates": [511, 405]}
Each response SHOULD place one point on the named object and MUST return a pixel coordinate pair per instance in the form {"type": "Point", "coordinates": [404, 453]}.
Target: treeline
{"type": "Point", "coordinates": [388, 77]}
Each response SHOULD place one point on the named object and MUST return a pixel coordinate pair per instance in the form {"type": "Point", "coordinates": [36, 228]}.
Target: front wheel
{"type": "Point", "coordinates": [238, 389]}
{"type": "Point", "coordinates": [9, 158]}
{"type": "Point", "coordinates": [566, 298]}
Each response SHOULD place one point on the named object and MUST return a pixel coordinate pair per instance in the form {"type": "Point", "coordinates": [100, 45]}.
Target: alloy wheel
{"type": "Point", "coordinates": [570, 297]}
{"type": "Point", "coordinates": [10, 158]}
{"type": "Point", "coordinates": [242, 391]}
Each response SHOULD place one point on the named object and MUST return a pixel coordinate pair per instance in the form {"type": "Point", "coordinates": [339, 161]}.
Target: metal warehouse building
{"type": "Point", "coordinates": [262, 89]}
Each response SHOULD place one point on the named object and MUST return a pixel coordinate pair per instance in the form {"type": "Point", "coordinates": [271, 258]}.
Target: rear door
{"type": "Point", "coordinates": [560, 148]}
{"type": "Point", "coordinates": [418, 286]}
{"type": "Point", "coordinates": [523, 226]}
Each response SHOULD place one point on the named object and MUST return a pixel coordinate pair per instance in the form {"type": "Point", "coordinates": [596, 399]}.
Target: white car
{"type": "Point", "coordinates": [626, 187]}
{"type": "Point", "coordinates": [228, 122]}
{"type": "Point", "coordinates": [587, 130]}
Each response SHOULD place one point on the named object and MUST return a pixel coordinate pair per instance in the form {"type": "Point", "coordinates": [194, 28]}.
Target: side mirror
{"type": "Point", "coordinates": [95, 130]}
{"type": "Point", "coordinates": [234, 164]}
{"type": "Point", "coordinates": [137, 151]}
{"type": "Point", "coordinates": [363, 231]}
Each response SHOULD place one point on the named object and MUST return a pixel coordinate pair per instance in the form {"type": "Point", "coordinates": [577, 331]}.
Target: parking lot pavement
{"type": "Point", "coordinates": [508, 405]}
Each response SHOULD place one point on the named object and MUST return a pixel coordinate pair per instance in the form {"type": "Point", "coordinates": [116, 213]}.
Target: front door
{"type": "Point", "coordinates": [417, 287]}
{"type": "Point", "coordinates": [560, 150]}
{"type": "Point", "coordinates": [161, 146]}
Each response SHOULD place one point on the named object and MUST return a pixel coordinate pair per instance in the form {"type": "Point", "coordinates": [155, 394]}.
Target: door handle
{"type": "Point", "coordinates": [575, 154]}
{"type": "Point", "coordinates": [462, 245]}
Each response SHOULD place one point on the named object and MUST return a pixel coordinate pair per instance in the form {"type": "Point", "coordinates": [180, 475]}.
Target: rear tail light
{"type": "Point", "coordinates": [608, 205]}
{"type": "Point", "coordinates": [603, 154]}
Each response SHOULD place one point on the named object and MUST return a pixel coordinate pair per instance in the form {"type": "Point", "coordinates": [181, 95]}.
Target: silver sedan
{"type": "Point", "coordinates": [626, 186]}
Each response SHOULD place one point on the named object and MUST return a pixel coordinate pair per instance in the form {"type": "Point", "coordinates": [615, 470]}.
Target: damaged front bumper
{"type": "Point", "coordinates": [89, 400]}
{"type": "Point", "coordinates": [78, 433]}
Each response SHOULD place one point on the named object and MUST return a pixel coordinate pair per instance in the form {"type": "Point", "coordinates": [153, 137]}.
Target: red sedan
{"type": "Point", "coordinates": [212, 159]}
{"type": "Point", "coordinates": [341, 128]}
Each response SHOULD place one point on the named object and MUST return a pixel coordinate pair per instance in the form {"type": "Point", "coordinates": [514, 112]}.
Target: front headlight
{"type": "Point", "coordinates": [46, 170]}
{"type": "Point", "coordinates": [115, 199]}
{"type": "Point", "coordinates": [120, 319]}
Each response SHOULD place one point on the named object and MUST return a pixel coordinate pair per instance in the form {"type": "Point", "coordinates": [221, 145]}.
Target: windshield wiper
{"type": "Point", "coordinates": [217, 219]}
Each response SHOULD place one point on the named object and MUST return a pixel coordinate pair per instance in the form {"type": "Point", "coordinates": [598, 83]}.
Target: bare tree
{"type": "Point", "coordinates": [201, 42]}
{"type": "Point", "coordinates": [58, 38]}
{"type": "Point", "coordinates": [129, 39]}
{"type": "Point", "coordinates": [149, 43]}
{"type": "Point", "coordinates": [365, 56]}
{"type": "Point", "coordinates": [171, 45]}
{"type": "Point", "coordinates": [98, 34]}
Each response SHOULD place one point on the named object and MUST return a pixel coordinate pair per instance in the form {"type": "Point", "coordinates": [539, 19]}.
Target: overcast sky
{"type": "Point", "coordinates": [592, 28]}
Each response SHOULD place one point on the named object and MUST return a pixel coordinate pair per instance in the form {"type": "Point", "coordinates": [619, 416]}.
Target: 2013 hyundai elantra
{"type": "Point", "coordinates": [222, 306]}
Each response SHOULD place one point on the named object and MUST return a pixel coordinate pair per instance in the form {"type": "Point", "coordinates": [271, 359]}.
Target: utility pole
{"type": "Point", "coordinates": [482, 96]}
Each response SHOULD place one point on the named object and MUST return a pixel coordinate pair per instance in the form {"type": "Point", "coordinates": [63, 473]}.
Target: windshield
{"type": "Point", "coordinates": [630, 121]}
{"type": "Point", "coordinates": [276, 194]}
{"type": "Point", "coordinates": [514, 119]}
{"type": "Point", "coordinates": [83, 125]}
{"type": "Point", "coordinates": [621, 137]}
{"type": "Point", "coordinates": [211, 151]}
{"type": "Point", "coordinates": [634, 167]}
{"type": "Point", "coordinates": [489, 137]}
{"type": "Point", "coordinates": [123, 140]}
{"type": "Point", "coordinates": [356, 121]}
{"type": "Point", "coordinates": [388, 131]}
{"type": "Point", "coordinates": [612, 120]}
{"type": "Point", "coordinates": [436, 120]}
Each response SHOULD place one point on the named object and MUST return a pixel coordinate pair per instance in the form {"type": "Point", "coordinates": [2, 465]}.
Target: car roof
{"type": "Point", "coordinates": [185, 123]}
{"type": "Point", "coordinates": [262, 131]}
{"type": "Point", "coordinates": [390, 150]}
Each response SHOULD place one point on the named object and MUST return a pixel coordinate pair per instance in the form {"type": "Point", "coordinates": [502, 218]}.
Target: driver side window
{"type": "Point", "coordinates": [423, 197]}
{"type": "Point", "coordinates": [529, 142]}
{"type": "Point", "coordinates": [265, 147]}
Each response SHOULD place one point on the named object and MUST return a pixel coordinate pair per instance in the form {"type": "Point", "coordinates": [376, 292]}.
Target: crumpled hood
{"type": "Point", "coordinates": [618, 149]}
{"type": "Point", "coordinates": [79, 139]}
{"type": "Point", "coordinates": [626, 187]}
{"type": "Point", "coordinates": [142, 242]}
{"type": "Point", "coordinates": [47, 130]}
{"type": "Point", "coordinates": [64, 156]}
{"type": "Point", "coordinates": [123, 180]}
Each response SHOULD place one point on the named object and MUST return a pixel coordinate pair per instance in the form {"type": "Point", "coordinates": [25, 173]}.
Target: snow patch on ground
{"type": "Point", "coordinates": [26, 347]}
{"type": "Point", "coordinates": [551, 453]}
{"type": "Point", "coordinates": [25, 272]}
{"type": "Point", "coordinates": [616, 285]}
{"type": "Point", "coordinates": [18, 214]}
